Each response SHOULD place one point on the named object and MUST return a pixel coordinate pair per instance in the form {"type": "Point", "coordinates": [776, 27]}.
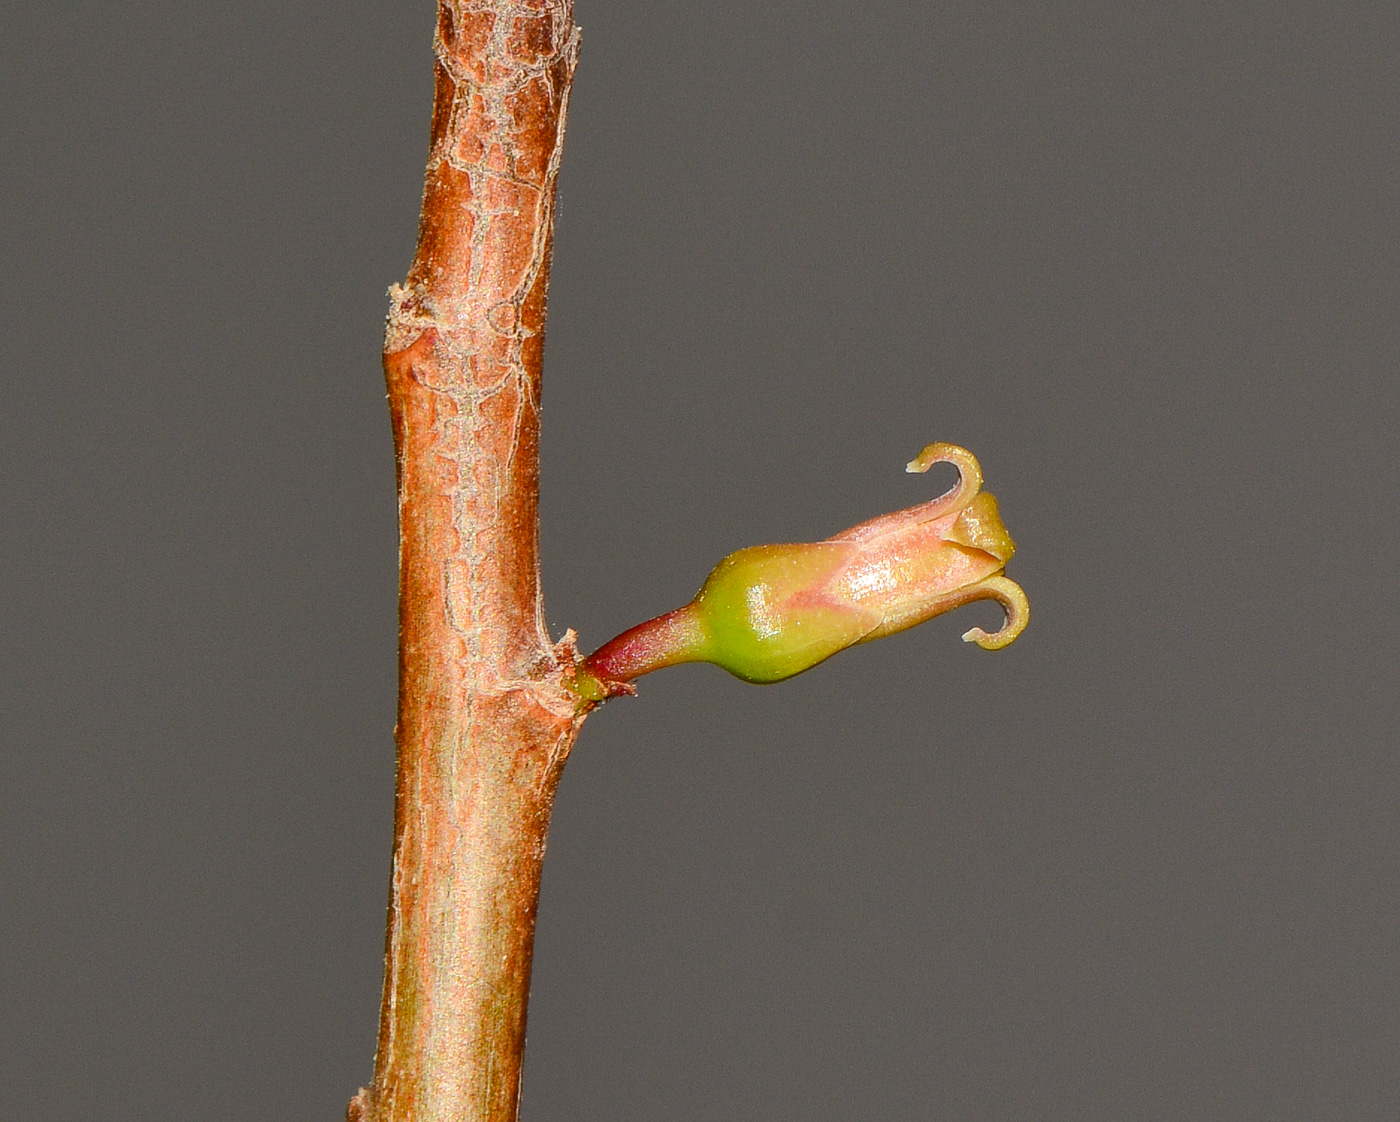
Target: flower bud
{"type": "Point", "coordinates": [771, 611]}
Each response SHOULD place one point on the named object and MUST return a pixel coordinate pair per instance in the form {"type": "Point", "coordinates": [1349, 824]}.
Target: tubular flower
{"type": "Point", "coordinates": [771, 611]}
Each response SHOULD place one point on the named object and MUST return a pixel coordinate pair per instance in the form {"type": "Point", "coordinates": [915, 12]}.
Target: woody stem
{"type": "Point", "coordinates": [484, 721]}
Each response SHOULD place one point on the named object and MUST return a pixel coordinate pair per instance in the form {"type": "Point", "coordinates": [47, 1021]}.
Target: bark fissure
{"type": "Point", "coordinates": [485, 722]}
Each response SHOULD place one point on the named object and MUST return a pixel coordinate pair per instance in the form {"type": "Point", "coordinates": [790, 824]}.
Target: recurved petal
{"type": "Point", "coordinates": [1013, 602]}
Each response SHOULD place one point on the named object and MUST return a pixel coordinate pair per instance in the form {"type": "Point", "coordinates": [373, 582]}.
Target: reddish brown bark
{"type": "Point", "coordinates": [485, 722]}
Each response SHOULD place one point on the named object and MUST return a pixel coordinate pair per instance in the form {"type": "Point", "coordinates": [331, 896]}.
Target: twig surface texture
{"type": "Point", "coordinates": [484, 722]}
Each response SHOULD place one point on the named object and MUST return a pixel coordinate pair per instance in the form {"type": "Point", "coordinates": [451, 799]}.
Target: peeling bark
{"type": "Point", "coordinates": [485, 722]}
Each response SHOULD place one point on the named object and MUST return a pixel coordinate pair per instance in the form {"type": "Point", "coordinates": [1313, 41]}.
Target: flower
{"type": "Point", "coordinates": [771, 611]}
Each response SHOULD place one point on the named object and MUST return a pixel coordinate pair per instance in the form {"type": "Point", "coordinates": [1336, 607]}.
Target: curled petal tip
{"type": "Point", "coordinates": [969, 470]}
{"type": "Point", "coordinates": [1014, 603]}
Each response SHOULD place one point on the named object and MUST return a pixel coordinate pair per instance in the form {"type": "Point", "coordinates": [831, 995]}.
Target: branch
{"type": "Point", "coordinates": [484, 722]}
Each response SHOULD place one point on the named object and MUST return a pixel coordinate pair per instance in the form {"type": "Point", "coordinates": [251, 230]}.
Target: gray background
{"type": "Point", "coordinates": [1141, 258]}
